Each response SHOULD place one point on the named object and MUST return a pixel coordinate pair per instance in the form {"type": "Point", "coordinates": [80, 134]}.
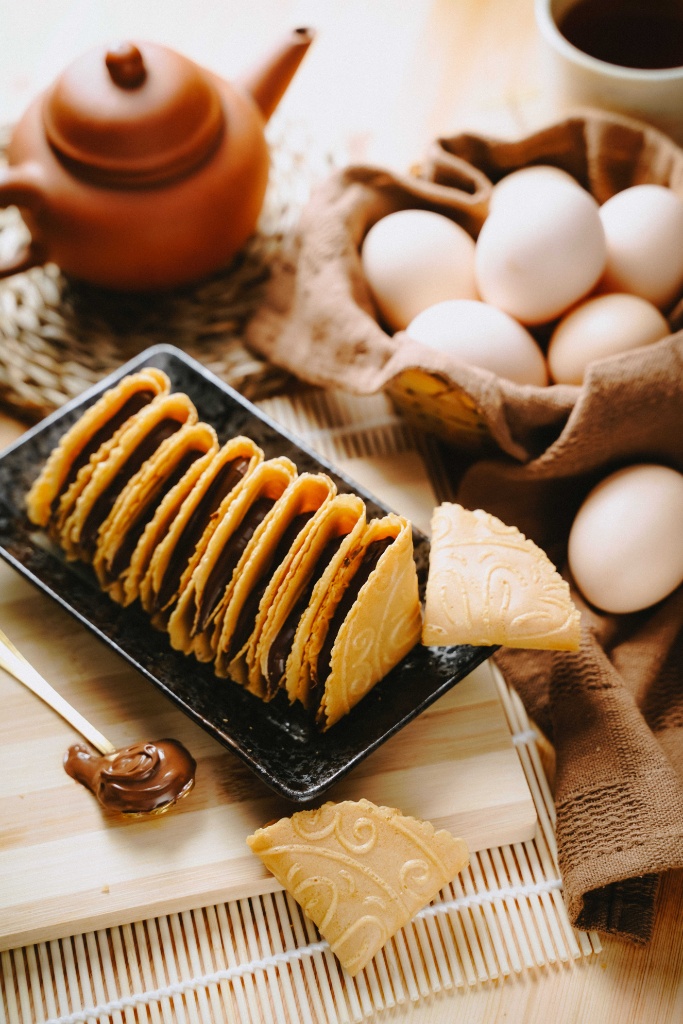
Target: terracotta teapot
{"type": "Point", "coordinates": [137, 169]}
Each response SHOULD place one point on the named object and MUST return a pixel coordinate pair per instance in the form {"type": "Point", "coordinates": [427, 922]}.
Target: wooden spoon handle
{"type": "Point", "coordinates": [16, 664]}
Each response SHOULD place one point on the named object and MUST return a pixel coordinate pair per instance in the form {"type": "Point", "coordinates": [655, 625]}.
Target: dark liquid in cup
{"type": "Point", "coordinates": [630, 33]}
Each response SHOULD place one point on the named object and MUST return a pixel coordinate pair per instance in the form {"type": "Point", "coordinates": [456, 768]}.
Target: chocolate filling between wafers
{"type": "Point", "coordinates": [130, 539]}
{"type": "Point", "coordinates": [247, 617]}
{"type": "Point", "coordinates": [130, 407]}
{"type": "Point", "coordinates": [105, 501]}
{"type": "Point", "coordinates": [281, 646]}
{"type": "Point", "coordinates": [226, 563]}
{"type": "Point", "coordinates": [371, 557]}
{"type": "Point", "coordinates": [225, 480]}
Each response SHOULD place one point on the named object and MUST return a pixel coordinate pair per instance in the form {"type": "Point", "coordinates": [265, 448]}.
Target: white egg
{"type": "Point", "coordinates": [527, 181]}
{"type": "Point", "coordinates": [483, 336]}
{"type": "Point", "coordinates": [600, 327]}
{"type": "Point", "coordinates": [541, 254]}
{"type": "Point", "coordinates": [414, 258]}
{"type": "Point", "coordinates": [644, 232]}
{"type": "Point", "coordinates": [626, 543]}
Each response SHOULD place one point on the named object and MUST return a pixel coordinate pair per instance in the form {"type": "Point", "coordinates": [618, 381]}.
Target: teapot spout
{"type": "Point", "coordinates": [267, 83]}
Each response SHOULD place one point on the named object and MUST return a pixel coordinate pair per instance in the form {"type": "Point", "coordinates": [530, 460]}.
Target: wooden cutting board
{"type": "Point", "coordinates": [66, 866]}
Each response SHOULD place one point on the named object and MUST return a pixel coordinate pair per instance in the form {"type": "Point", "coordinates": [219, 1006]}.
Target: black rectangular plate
{"type": "Point", "coordinates": [279, 743]}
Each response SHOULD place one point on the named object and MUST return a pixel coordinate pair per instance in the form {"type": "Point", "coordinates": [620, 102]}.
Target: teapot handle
{"type": "Point", "coordinates": [21, 186]}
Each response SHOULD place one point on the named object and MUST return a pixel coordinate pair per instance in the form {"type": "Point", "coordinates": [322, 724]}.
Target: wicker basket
{"type": "Point", "coordinates": [320, 321]}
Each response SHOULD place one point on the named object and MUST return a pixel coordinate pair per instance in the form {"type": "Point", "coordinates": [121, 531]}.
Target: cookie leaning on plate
{"type": "Point", "coordinates": [489, 584]}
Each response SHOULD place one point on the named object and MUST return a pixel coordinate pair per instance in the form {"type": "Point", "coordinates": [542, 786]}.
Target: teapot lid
{"type": "Point", "coordinates": [135, 114]}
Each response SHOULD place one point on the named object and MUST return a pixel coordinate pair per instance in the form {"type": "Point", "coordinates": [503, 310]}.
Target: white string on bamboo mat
{"type": "Point", "coordinates": [198, 982]}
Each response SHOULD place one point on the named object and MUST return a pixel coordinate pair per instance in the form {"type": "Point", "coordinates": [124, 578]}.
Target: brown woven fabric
{"type": "Point", "coordinates": [614, 711]}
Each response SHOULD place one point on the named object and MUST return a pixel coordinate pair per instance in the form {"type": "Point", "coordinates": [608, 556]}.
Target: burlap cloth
{"type": "Point", "coordinates": [614, 711]}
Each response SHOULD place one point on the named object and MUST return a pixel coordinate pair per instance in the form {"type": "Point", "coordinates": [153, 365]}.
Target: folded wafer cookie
{"type": "Point", "coordinates": [88, 441]}
{"type": "Point", "coordinates": [176, 555]}
{"type": "Point", "coordinates": [359, 871]}
{"type": "Point", "coordinates": [369, 620]}
{"type": "Point", "coordinates": [146, 506]}
{"type": "Point", "coordinates": [197, 616]}
{"type": "Point", "coordinates": [276, 656]}
{"type": "Point", "coordinates": [144, 433]}
{"type": "Point", "coordinates": [293, 518]}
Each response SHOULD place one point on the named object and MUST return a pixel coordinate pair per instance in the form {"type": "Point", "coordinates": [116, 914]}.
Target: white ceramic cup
{"type": "Point", "coordinates": [577, 79]}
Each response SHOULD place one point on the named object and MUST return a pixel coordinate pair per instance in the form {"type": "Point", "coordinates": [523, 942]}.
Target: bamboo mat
{"type": "Point", "coordinates": [260, 959]}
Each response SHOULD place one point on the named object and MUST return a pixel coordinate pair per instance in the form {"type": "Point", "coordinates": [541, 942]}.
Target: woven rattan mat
{"type": "Point", "coordinates": [59, 336]}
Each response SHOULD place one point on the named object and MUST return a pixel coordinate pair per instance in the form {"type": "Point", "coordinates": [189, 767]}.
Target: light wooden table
{"type": "Point", "coordinates": [383, 78]}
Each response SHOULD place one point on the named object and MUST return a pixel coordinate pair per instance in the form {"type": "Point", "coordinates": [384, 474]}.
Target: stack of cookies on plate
{"type": "Point", "coordinates": [270, 574]}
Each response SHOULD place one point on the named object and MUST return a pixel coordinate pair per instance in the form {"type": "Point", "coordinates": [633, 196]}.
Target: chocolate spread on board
{"type": "Point", "coordinates": [144, 778]}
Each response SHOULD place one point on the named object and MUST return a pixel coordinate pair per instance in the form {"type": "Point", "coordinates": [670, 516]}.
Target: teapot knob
{"type": "Point", "coordinates": [133, 113]}
{"type": "Point", "coordinates": [126, 66]}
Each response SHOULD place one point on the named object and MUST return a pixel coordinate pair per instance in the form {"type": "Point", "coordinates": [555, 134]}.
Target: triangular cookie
{"type": "Point", "coordinates": [489, 584]}
{"type": "Point", "coordinates": [359, 871]}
